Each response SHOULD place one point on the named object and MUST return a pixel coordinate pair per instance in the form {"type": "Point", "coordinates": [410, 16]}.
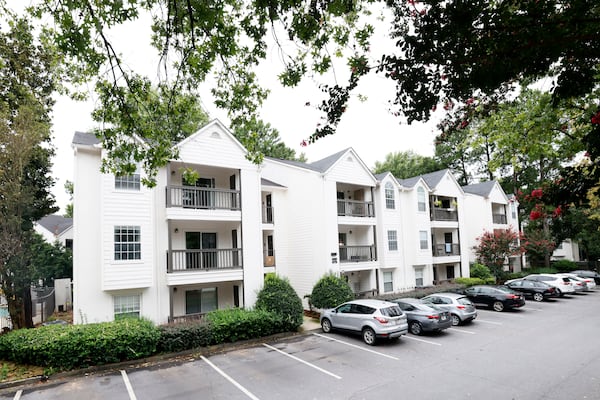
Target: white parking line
{"type": "Point", "coordinates": [18, 394]}
{"type": "Point", "coordinates": [128, 385]}
{"type": "Point", "coordinates": [488, 322]}
{"type": "Point", "coordinates": [358, 347]}
{"type": "Point", "coordinates": [422, 340]}
{"type": "Point", "coordinates": [302, 361]}
{"type": "Point", "coordinates": [534, 309]}
{"type": "Point", "coordinates": [224, 375]}
{"type": "Point", "coordinates": [462, 331]}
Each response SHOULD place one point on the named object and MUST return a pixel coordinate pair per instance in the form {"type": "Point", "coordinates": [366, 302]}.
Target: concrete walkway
{"type": "Point", "coordinates": [310, 324]}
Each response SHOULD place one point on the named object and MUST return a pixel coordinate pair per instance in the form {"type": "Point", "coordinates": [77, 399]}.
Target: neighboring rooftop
{"type": "Point", "coordinates": [85, 138]}
{"type": "Point", "coordinates": [56, 224]}
{"type": "Point", "coordinates": [481, 189]}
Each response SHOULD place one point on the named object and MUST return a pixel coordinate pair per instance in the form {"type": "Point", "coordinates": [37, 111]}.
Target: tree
{"type": "Point", "coordinates": [406, 164]}
{"type": "Point", "coordinates": [49, 261]}
{"type": "Point", "coordinates": [494, 248]}
{"type": "Point", "coordinates": [330, 291]}
{"type": "Point", "coordinates": [69, 188]}
{"type": "Point", "coordinates": [263, 140]}
{"type": "Point", "coordinates": [278, 296]}
{"type": "Point", "coordinates": [26, 85]}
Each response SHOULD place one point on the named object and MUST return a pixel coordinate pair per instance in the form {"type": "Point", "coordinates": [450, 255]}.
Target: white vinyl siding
{"type": "Point", "coordinates": [392, 240]}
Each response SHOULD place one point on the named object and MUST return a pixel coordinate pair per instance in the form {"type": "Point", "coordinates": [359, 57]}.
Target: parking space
{"type": "Point", "coordinates": [530, 353]}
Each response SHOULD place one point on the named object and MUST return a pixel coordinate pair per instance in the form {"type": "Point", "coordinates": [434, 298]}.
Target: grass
{"type": "Point", "coordinates": [10, 371]}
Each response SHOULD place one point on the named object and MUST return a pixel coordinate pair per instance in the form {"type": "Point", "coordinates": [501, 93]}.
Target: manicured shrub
{"type": "Point", "coordinates": [66, 347]}
{"type": "Point", "coordinates": [330, 291]}
{"type": "Point", "coordinates": [565, 265]}
{"type": "Point", "coordinates": [475, 281]}
{"type": "Point", "coordinates": [480, 271]}
{"type": "Point", "coordinates": [236, 324]}
{"type": "Point", "coordinates": [278, 296]}
{"type": "Point", "coordinates": [184, 336]}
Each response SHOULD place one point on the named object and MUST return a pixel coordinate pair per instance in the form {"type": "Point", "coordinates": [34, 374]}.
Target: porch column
{"type": "Point", "coordinates": [170, 303]}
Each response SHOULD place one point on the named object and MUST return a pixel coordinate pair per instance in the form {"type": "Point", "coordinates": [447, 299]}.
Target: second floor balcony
{"type": "Point", "coordinates": [198, 260]}
{"type": "Point", "coordinates": [349, 254]}
{"type": "Point", "coordinates": [203, 198]}
{"type": "Point", "coordinates": [444, 214]}
{"type": "Point", "coordinates": [446, 249]}
{"type": "Point", "coordinates": [355, 208]}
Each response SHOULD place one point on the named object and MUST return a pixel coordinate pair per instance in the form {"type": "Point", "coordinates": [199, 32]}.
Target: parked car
{"type": "Point", "coordinates": [373, 319]}
{"type": "Point", "coordinates": [461, 309]}
{"type": "Point", "coordinates": [588, 274]}
{"type": "Point", "coordinates": [538, 291]}
{"type": "Point", "coordinates": [561, 283]}
{"type": "Point", "coordinates": [424, 317]}
{"type": "Point", "coordinates": [578, 284]}
{"type": "Point", "coordinates": [589, 282]}
{"type": "Point", "coordinates": [499, 297]}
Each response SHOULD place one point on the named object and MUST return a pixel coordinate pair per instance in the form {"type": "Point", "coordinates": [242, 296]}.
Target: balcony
{"type": "Point", "coordinates": [446, 249]}
{"type": "Point", "coordinates": [204, 260]}
{"type": "Point", "coordinates": [354, 208]}
{"type": "Point", "coordinates": [444, 214]}
{"type": "Point", "coordinates": [267, 215]}
{"type": "Point", "coordinates": [269, 258]}
{"type": "Point", "coordinates": [203, 198]}
{"type": "Point", "coordinates": [350, 254]}
{"type": "Point", "coordinates": [199, 317]}
{"type": "Point", "coordinates": [499, 218]}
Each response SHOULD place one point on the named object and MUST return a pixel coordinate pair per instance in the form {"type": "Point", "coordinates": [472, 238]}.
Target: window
{"type": "Point", "coordinates": [392, 240]}
{"type": "Point", "coordinates": [127, 243]}
{"type": "Point", "coordinates": [388, 281]}
{"type": "Point", "coordinates": [419, 277]}
{"type": "Point", "coordinates": [421, 198]}
{"type": "Point", "coordinates": [513, 210]}
{"type": "Point", "coordinates": [389, 196]}
{"type": "Point", "coordinates": [128, 182]}
{"type": "Point", "coordinates": [200, 301]}
{"type": "Point", "coordinates": [126, 306]}
{"type": "Point", "coordinates": [423, 243]}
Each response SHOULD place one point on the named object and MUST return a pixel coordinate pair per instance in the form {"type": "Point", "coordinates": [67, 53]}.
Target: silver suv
{"type": "Point", "coordinates": [373, 319]}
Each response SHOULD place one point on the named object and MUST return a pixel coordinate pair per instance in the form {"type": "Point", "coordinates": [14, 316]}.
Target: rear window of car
{"type": "Point", "coordinates": [394, 311]}
{"type": "Point", "coordinates": [464, 301]}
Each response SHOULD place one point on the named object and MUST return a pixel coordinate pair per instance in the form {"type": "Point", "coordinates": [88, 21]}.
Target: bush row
{"type": "Point", "coordinates": [475, 281]}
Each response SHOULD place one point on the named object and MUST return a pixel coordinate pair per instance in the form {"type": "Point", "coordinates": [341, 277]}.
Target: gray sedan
{"type": "Point", "coordinates": [424, 317]}
{"type": "Point", "coordinates": [460, 307]}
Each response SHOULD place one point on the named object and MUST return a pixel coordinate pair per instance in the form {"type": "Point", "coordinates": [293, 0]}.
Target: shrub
{"type": "Point", "coordinates": [330, 291]}
{"type": "Point", "coordinates": [66, 347]}
{"type": "Point", "coordinates": [480, 271]}
{"type": "Point", "coordinates": [238, 324]}
{"type": "Point", "coordinates": [475, 281]}
{"type": "Point", "coordinates": [278, 296]}
{"type": "Point", "coordinates": [184, 336]}
{"type": "Point", "coordinates": [564, 265]}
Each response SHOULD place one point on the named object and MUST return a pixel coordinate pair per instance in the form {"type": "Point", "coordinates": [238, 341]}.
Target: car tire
{"type": "Point", "coordinates": [538, 297]}
{"type": "Point", "coordinates": [498, 306]}
{"type": "Point", "coordinates": [326, 325]}
{"type": "Point", "coordinates": [369, 337]}
{"type": "Point", "coordinates": [415, 328]}
{"type": "Point", "coordinates": [455, 320]}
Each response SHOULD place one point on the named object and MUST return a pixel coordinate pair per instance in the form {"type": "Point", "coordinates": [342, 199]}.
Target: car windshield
{"type": "Point", "coordinates": [464, 301]}
{"type": "Point", "coordinates": [393, 311]}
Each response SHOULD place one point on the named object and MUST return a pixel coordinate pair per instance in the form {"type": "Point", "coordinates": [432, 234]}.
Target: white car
{"type": "Point", "coordinates": [561, 283]}
{"type": "Point", "coordinates": [589, 282]}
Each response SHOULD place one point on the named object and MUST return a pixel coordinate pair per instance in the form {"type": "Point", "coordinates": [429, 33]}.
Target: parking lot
{"type": "Point", "coordinates": [546, 350]}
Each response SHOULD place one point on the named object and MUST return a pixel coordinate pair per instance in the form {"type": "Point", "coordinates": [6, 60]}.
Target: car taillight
{"type": "Point", "coordinates": [382, 320]}
{"type": "Point", "coordinates": [567, 283]}
{"type": "Point", "coordinates": [461, 307]}
{"type": "Point", "coordinates": [433, 317]}
{"type": "Point", "coordinates": [512, 296]}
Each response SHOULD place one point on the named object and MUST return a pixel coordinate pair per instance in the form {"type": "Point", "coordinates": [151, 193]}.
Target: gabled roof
{"type": "Point", "coordinates": [211, 125]}
{"type": "Point", "coordinates": [410, 182]}
{"type": "Point", "coordinates": [56, 224]}
{"type": "Point", "coordinates": [481, 189]}
{"type": "Point", "coordinates": [433, 178]}
{"type": "Point", "coordinates": [86, 139]}
{"type": "Point", "coordinates": [323, 165]}
{"type": "Point", "coordinates": [266, 182]}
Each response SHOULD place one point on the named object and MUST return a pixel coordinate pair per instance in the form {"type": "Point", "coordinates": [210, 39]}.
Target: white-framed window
{"type": "Point", "coordinates": [388, 281]}
{"type": "Point", "coordinates": [513, 210]}
{"type": "Point", "coordinates": [126, 306]}
{"type": "Point", "coordinates": [392, 240]}
{"type": "Point", "coordinates": [390, 201]}
{"type": "Point", "coordinates": [128, 182]}
{"type": "Point", "coordinates": [201, 301]}
{"type": "Point", "coordinates": [421, 199]}
{"type": "Point", "coordinates": [423, 242]}
{"type": "Point", "coordinates": [418, 276]}
{"type": "Point", "coordinates": [127, 243]}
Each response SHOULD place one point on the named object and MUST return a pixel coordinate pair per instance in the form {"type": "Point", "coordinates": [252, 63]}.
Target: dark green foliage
{"type": "Point", "coordinates": [75, 346]}
{"type": "Point", "coordinates": [330, 291]}
{"type": "Point", "coordinates": [238, 324]}
{"type": "Point", "coordinates": [280, 298]}
{"type": "Point", "coordinates": [475, 281]}
{"type": "Point", "coordinates": [185, 336]}
{"type": "Point", "coordinates": [565, 265]}
{"type": "Point", "coordinates": [480, 271]}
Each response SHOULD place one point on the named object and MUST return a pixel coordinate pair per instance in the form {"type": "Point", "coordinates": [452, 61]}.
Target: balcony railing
{"type": "Point", "coordinates": [267, 215]}
{"type": "Point", "coordinates": [350, 254]}
{"type": "Point", "coordinates": [446, 249]}
{"type": "Point", "coordinates": [187, 318]}
{"type": "Point", "coordinates": [205, 198]}
{"type": "Point", "coordinates": [353, 208]}
{"type": "Point", "coordinates": [499, 218]}
{"type": "Point", "coordinates": [210, 259]}
{"type": "Point", "coordinates": [444, 214]}
{"type": "Point", "coordinates": [269, 258]}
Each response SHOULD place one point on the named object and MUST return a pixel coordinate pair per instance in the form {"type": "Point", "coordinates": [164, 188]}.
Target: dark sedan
{"type": "Point", "coordinates": [499, 298]}
{"type": "Point", "coordinates": [538, 291]}
{"type": "Point", "coordinates": [424, 317]}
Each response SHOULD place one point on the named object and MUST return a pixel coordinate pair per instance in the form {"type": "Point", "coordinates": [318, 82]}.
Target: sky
{"type": "Point", "coordinates": [367, 126]}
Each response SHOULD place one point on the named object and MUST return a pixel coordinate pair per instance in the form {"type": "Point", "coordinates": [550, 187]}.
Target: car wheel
{"type": "Point", "coordinates": [538, 297]}
{"type": "Point", "coordinates": [498, 306]}
{"type": "Point", "coordinates": [455, 320]}
{"type": "Point", "coordinates": [415, 328]}
{"type": "Point", "coordinates": [326, 325]}
{"type": "Point", "coordinates": [368, 335]}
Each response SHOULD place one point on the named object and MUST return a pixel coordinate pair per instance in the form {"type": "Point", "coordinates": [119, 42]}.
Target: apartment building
{"type": "Point", "coordinates": [177, 251]}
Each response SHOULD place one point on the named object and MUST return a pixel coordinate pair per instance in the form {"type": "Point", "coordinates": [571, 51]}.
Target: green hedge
{"type": "Point", "coordinates": [279, 297]}
{"type": "Point", "coordinates": [184, 336]}
{"type": "Point", "coordinates": [330, 291]}
{"type": "Point", "coordinates": [475, 281]}
{"type": "Point", "coordinates": [75, 346]}
{"type": "Point", "coordinates": [238, 324]}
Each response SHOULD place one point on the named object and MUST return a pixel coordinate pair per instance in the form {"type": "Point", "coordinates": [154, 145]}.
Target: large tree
{"type": "Point", "coordinates": [406, 164]}
{"type": "Point", "coordinates": [26, 86]}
